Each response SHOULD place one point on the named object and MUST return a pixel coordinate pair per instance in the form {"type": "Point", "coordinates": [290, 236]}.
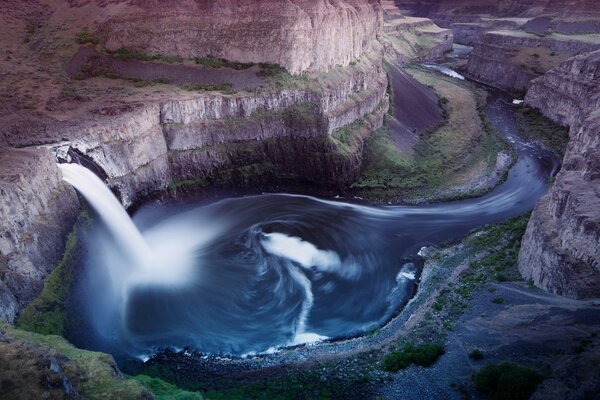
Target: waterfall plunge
{"type": "Point", "coordinates": [110, 210]}
{"type": "Point", "coordinates": [161, 256]}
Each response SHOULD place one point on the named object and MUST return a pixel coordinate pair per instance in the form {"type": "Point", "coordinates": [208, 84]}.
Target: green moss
{"type": "Point", "coordinates": [424, 355]}
{"type": "Point", "coordinates": [101, 379]}
{"type": "Point", "coordinates": [165, 391]}
{"type": "Point", "coordinates": [507, 381]}
{"type": "Point", "coordinates": [125, 53]}
{"type": "Point", "coordinates": [46, 314]}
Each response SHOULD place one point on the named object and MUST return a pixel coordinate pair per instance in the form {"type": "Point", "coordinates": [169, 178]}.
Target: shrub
{"type": "Point", "coordinates": [214, 62]}
{"type": "Point", "coordinates": [476, 355]}
{"type": "Point", "coordinates": [424, 355]}
{"type": "Point", "coordinates": [498, 300]}
{"type": "Point", "coordinates": [226, 88]}
{"type": "Point", "coordinates": [86, 37]}
{"type": "Point", "coordinates": [506, 381]}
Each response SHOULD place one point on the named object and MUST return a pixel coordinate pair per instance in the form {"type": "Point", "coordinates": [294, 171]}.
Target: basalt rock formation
{"type": "Point", "coordinates": [38, 211]}
{"type": "Point", "coordinates": [157, 136]}
{"type": "Point", "coordinates": [511, 59]}
{"type": "Point", "coordinates": [514, 41]}
{"type": "Point", "coordinates": [300, 35]}
{"type": "Point", "coordinates": [560, 250]}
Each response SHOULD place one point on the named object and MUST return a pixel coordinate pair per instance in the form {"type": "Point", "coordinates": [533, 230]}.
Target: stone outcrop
{"type": "Point", "coordinates": [300, 35]}
{"type": "Point", "coordinates": [471, 19]}
{"type": "Point", "coordinates": [511, 59]}
{"type": "Point", "coordinates": [143, 149]}
{"type": "Point", "coordinates": [560, 250]}
{"type": "Point", "coordinates": [38, 211]}
{"type": "Point", "coordinates": [415, 39]}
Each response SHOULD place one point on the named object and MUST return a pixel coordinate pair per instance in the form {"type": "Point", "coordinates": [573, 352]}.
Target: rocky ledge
{"type": "Point", "coordinates": [300, 35]}
{"type": "Point", "coordinates": [560, 251]}
{"type": "Point", "coordinates": [510, 59]}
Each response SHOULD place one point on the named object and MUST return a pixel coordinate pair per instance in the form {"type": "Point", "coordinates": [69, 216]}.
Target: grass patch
{"type": "Point", "coordinates": [165, 391]}
{"type": "Point", "coordinates": [86, 37]}
{"type": "Point", "coordinates": [491, 254]}
{"type": "Point", "coordinates": [46, 314]}
{"type": "Point", "coordinates": [458, 151]}
{"type": "Point", "coordinates": [507, 381]}
{"type": "Point", "coordinates": [214, 62]}
{"type": "Point", "coordinates": [498, 300]}
{"type": "Point", "coordinates": [225, 88]}
{"type": "Point", "coordinates": [125, 53]}
{"type": "Point", "coordinates": [424, 355]}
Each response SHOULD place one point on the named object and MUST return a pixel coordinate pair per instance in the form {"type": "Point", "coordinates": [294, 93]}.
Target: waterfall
{"type": "Point", "coordinates": [110, 210]}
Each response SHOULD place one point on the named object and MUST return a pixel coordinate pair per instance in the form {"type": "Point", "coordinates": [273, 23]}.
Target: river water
{"type": "Point", "coordinates": [274, 270]}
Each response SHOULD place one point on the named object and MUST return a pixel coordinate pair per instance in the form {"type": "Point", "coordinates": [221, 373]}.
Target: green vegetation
{"type": "Point", "coordinates": [442, 159]}
{"type": "Point", "coordinates": [86, 37]}
{"type": "Point", "coordinates": [490, 255]}
{"type": "Point", "coordinates": [213, 62]}
{"type": "Point", "coordinates": [165, 391]}
{"type": "Point", "coordinates": [498, 300]}
{"type": "Point", "coordinates": [536, 127]}
{"type": "Point", "coordinates": [507, 381]}
{"type": "Point", "coordinates": [424, 355]}
{"type": "Point", "coordinates": [225, 88]}
{"type": "Point", "coordinates": [100, 379]}
{"type": "Point", "coordinates": [476, 355]}
{"type": "Point", "coordinates": [46, 314]}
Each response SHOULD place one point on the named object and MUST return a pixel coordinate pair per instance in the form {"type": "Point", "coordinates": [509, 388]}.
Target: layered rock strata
{"type": "Point", "coordinates": [38, 211]}
{"type": "Point", "coordinates": [561, 248]}
{"type": "Point", "coordinates": [416, 39]}
{"type": "Point", "coordinates": [300, 35]}
{"type": "Point", "coordinates": [511, 59]}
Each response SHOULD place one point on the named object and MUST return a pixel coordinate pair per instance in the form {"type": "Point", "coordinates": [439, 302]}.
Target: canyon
{"type": "Point", "coordinates": [195, 99]}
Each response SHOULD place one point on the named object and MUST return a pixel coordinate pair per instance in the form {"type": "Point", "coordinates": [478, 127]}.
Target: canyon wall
{"type": "Point", "coordinates": [38, 211]}
{"type": "Point", "coordinates": [560, 250]}
{"type": "Point", "coordinates": [511, 59]}
{"type": "Point", "coordinates": [300, 35]}
{"type": "Point", "coordinates": [143, 140]}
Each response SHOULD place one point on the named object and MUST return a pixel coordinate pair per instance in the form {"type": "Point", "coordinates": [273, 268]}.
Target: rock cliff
{"type": "Point", "coordinates": [38, 211]}
{"type": "Point", "coordinates": [560, 250]}
{"type": "Point", "coordinates": [300, 35]}
{"type": "Point", "coordinates": [511, 59]}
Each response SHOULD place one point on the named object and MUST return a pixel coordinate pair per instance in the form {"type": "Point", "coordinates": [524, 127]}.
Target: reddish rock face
{"type": "Point", "coordinates": [300, 35]}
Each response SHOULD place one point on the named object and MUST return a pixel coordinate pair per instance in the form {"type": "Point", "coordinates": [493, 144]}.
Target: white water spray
{"type": "Point", "coordinates": [110, 210]}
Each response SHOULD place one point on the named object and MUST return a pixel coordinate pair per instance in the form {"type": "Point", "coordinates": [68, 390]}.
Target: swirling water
{"type": "Point", "coordinates": [248, 274]}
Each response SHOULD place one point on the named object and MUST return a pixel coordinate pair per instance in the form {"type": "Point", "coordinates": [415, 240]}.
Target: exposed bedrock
{"type": "Point", "coordinates": [511, 59]}
{"type": "Point", "coordinates": [138, 149]}
{"type": "Point", "coordinates": [561, 251]}
{"type": "Point", "coordinates": [38, 211]}
{"type": "Point", "coordinates": [410, 39]}
{"type": "Point", "coordinates": [471, 19]}
{"type": "Point", "coordinates": [300, 35]}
